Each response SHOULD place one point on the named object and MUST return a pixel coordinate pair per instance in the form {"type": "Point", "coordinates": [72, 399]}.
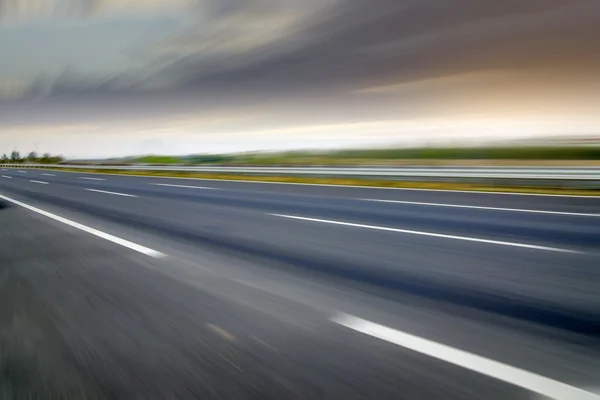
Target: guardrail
{"type": "Point", "coordinates": [562, 176]}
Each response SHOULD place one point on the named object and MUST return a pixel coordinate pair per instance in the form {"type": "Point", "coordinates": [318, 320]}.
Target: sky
{"type": "Point", "coordinates": [104, 78]}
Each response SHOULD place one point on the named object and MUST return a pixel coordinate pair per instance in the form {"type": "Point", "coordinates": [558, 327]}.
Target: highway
{"type": "Point", "coordinates": [125, 287]}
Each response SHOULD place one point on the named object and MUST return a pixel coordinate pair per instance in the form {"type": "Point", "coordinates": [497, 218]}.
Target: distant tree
{"type": "Point", "coordinates": [15, 156]}
{"type": "Point", "coordinates": [47, 158]}
{"type": "Point", "coordinates": [32, 156]}
{"type": "Point", "coordinates": [4, 158]}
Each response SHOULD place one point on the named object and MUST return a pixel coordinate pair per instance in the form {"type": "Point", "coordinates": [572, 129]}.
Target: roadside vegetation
{"type": "Point", "coordinates": [32, 157]}
{"type": "Point", "coordinates": [424, 155]}
{"type": "Point", "coordinates": [538, 155]}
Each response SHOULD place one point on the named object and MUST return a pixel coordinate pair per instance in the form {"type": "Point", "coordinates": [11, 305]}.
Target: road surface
{"type": "Point", "coordinates": [122, 287]}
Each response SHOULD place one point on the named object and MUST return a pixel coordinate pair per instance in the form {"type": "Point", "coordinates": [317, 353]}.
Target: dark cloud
{"type": "Point", "coordinates": [334, 46]}
{"type": "Point", "coordinates": [362, 42]}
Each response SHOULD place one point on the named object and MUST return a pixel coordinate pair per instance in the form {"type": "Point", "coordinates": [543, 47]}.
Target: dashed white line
{"type": "Point", "coordinates": [484, 208]}
{"type": "Point", "coordinates": [7, 177]}
{"type": "Point", "coordinates": [125, 243]}
{"type": "Point", "coordinates": [115, 193]}
{"type": "Point", "coordinates": [40, 182]}
{"type": "Point", "coordinates": [432, 234]}
{"type": "Point", "coordinates": [182, 186]}
{"type": "Point", "coordinates": [518, 377]}
{"type": "Point", "coordinates": [92, 179]}
{"type": "Point", "coordinates": [48, 174]}
{"type": "Point", "coordinates": [23, 172]}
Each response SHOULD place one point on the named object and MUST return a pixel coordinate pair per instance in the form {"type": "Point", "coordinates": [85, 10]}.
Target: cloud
{"type": "Point", "coordinates": [13, 88]}
{"type": "Point", "coordinates": [22, 10]}
{"type": "Point", "coordinates": [135, 7]}
{"type": "Point", "coordinates": [362, 43]}
{"type": "Point", "coordinates": [231, 34]}
{"type": "Point", "coordinates": [393, 54]}
{"type": "Point", "coordinates": [15, 11]}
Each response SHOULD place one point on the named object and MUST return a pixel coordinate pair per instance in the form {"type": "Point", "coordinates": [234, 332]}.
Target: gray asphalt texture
{"type": "Point", "coordinates": [240, 308]}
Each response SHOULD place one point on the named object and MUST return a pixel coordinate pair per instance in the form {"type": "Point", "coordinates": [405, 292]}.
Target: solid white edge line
{"type": "Point", "coordinates": [7, 177]}
{"type": "Point", "coordinates": [518, 377]}
{"type": "Point", "coordinates": [115, 193]}
{"type": "Point", "coordinates": [182, 186]}
{"type": "Point", "coordinates": [106, 236]}
{"type": "Point", "coordinates": [40, 182]}
{"type": "Point", "coordinates": [92, 179]}
{"type": "Point", "coordinates": [343, 186]}
{"type": "Point", "coordinates": [421, 233]}
{"type": "Point", "coordinates": [484, 208]}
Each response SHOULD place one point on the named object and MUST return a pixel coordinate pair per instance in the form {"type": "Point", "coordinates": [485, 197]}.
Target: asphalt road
{"type": "Point", "coordinates": [120, 287]}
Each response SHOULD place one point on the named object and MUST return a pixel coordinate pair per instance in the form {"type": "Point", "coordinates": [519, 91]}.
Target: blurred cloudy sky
{"type": "Point", "coordinates": [96, 78]}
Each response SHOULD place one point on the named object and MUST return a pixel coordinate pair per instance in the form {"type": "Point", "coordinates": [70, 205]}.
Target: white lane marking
{"type": "Point", "coordinates": [484, 208]}
{"type": "Point", "coordinates": [23, 172]}
{"type": "Point", "coordinates": [594, 197]}
{"type": "Point", "coordinates": [7, 177]}
{"type": "Point", "coordinates": [518, 377]}
{"type": "Point", "coordinates": [439, 235]}
{"type": "Point", "coordinates": [48, 174]}
{"type": "Point", "coordinates": [92, 179]}
{"type": "Point", "coordinates": [182, 186]}
{"type": "Point", "coordinates": [40, 182]}
{"type": "Point", "coordinates": [115, 193]}
{"type": "Point", "coordinates": [125, 243]}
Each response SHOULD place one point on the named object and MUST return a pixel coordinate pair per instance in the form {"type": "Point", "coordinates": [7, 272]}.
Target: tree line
{"type": "Point", "coordinates": [32, 157]}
